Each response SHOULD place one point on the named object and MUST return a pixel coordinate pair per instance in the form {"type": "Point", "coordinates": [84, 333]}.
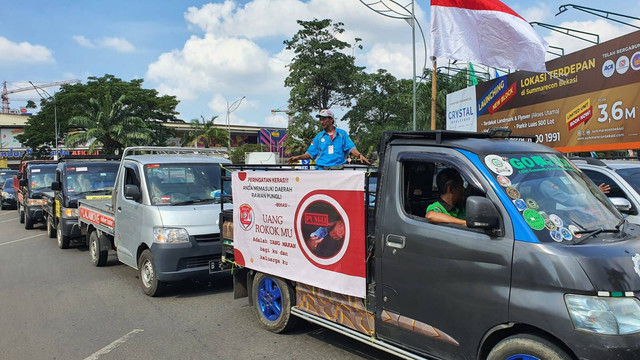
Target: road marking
{"type": "Point", "coordinates": [27, 238]}
{"type": "Point", "coordinates": [107, 349]}
{"type": "Point", "coordinates": [8, 220]}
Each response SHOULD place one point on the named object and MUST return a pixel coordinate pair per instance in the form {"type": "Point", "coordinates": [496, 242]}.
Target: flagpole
{"type": "Point", "coordinates": [413, 43]}
{"type": "Point", "coordinates": [433, 94]}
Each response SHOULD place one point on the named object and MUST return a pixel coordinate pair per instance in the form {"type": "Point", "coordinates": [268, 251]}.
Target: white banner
{"type": "Point", "coordinates": [305, 226]}
{"type": "Point", "coordinates": [461, 110]}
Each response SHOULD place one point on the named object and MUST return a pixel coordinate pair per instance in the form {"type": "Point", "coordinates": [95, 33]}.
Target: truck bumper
{"type": "Point", "coordinates": [69, 227]}
{"type": "Point", "coordinates": [185, 261]}
{"type": "Point", "coordinates": [588, 346]}
{"type": "Point", "coordinates": [35, 213]}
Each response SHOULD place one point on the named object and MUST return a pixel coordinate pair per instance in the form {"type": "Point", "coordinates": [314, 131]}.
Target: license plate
{"type": "Point", "coordinates": [215, 266]}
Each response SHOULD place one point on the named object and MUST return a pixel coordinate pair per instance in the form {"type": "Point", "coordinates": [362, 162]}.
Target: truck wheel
{"type": "Point", "coordinates": [98, 257]}
{"type": "Point", "coordinates": [148, 275]}
{"type": "Point", "coordinates": [28, 222]}
{"type": "Point", "coordinates": [51, 230]}
{"type": "Point", "coordinates": [527, 347]}
{"type": "Point", "coordinates": [273, 298]}
{"type": "Point", "coordinates": [63, 241]}
{"type": "Point", "coordinates": [20, 214]}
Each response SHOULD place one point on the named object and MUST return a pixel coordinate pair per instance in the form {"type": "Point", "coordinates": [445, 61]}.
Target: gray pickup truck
{"type": "Point", "coordinates": [159, 217]}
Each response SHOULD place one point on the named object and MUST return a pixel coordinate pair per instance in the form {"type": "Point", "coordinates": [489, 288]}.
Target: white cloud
{"type": "Point", "coordinates": [277, 121]}
{"type": "Point", "coordinates": [118, 44]}
{"type": "Point", "coordinates": [24, 52]}
{"type": "Point", "coordinates": [241, 53]}
{"type": "Point", "coordinates": [538, 13]}
{"type": "Point", "coordinates": [83, 41]}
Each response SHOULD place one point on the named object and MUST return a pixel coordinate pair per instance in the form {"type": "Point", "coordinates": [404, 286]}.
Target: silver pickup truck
{"type": "Point", "coordinates": [162, 218]}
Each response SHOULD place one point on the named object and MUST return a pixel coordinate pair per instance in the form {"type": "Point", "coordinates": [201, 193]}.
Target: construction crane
{"type": "Point", "coordinates": [5, 92]}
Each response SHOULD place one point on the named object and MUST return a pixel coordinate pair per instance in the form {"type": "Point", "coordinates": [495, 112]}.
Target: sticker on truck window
{"type": "Point", "coordinates": [82, 168]}
{"type": "Point", "coordinates": [35, 170]}
{"type": "Point", "coordinates": [498, 165]}
{"type": "Point", "coordinates": [533, 219]}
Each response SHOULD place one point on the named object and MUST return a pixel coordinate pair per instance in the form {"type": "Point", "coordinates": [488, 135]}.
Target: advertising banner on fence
{"type": "Point", "coordinates": [588, 100]}
{"type": "Point", "coordinates": [305, 226]}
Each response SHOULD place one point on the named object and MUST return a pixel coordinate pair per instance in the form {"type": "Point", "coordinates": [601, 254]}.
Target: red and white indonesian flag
{"type": "Point", "coordinates": [486, 32]}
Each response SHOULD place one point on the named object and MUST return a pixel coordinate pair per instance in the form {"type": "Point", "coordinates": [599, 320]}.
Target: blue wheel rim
{"type": "Point", "coordinates": [270, 299]}
{"type": "Point", "coordinates": [522, 357]}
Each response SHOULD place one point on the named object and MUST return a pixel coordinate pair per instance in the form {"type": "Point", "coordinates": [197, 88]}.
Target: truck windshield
{"type": "Point", "coordinates": [41, 177]}
{"type": "Point", "coordinates": [90, 178]}
{"type": "Point", "coordinates": [182, 184]}
{"type": "Point", "coordinates": [555, 198]}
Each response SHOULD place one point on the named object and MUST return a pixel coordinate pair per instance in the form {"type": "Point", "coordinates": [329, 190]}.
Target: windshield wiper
{"type": "Point", "coordinates": [593, 232]}
{"type": "Point", "coordinates": [194, 201]}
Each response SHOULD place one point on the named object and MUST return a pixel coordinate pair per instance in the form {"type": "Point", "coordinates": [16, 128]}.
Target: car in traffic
{"type": "Point", "coordinates": [623, 178]}
{"type": "Point", "coordinates": [8, 195]}
{"type": "Point", "coordinates": [6, 174]}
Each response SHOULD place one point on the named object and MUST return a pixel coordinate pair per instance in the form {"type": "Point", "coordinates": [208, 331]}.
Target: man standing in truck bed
{"type": "Point", "coordinates": [331, 146]}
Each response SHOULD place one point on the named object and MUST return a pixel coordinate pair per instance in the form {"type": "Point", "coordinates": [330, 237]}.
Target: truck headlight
{"type": "Point", "coordinates": [36, 202]}
{"type": "Point", "coordinates": [170, 235]}
{"type": "Point", "coordinates": [69, 213]}
{"type": "Point", "coordinates": [604, 315]}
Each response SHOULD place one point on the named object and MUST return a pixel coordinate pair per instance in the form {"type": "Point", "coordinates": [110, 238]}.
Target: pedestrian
{"type": "Point", "coordinates": [331, 146]}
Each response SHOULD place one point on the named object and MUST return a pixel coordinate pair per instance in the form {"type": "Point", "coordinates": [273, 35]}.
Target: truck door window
{"type": "Point", "coordinates": [131, 178]}
{"type": "Point", "coordinates": [420, 187]}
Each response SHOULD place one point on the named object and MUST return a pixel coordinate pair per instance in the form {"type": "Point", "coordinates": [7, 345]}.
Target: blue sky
{"type": "Point", "coordinates": [208, 53]}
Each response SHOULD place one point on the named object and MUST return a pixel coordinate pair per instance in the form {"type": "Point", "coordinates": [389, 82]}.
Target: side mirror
{"type": "Point", "coordinates": [132, 192]}
{"type": "Point", "coordinates": [481, 213]}
{"type": "Point", "coordinates": [23, 182]}
{"type": "Point", "coordinates": [56, 186]}
{"type": "Point", "coordinates": [623, 205]}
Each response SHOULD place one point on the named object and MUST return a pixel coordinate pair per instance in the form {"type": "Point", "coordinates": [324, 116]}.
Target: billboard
{"type": "Point", "coordinates": [587, 101]}
{"type": "Point", "coordinates": [7, 138]}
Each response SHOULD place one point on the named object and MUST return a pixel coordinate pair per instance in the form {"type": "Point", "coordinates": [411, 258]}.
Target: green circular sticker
{"type": "Point", "coordinates": [533, 219]}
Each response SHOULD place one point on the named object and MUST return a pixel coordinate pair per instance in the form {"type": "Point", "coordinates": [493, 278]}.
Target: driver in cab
{"type": "Point", "coordinates": [449, 209]}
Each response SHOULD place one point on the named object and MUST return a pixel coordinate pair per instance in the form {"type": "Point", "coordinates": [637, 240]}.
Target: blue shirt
{"type": "Point", "coordinates": [320, 148]}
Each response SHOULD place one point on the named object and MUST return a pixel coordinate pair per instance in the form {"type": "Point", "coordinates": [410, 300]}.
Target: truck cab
{"type": "Point", "coordinates": [34, 180]}
{"type": "Point", "coordinates": [544, 268]}
{"type": "Point", "coordinates": [76, 179]}
{"type": "Point", "coordinates": [159, 218]}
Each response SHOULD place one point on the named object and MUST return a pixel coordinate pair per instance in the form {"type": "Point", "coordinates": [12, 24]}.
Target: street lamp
{"type": "Point", "coordinates": [55, 115]}
{"type": "Point", "coordinates": [231, 108]}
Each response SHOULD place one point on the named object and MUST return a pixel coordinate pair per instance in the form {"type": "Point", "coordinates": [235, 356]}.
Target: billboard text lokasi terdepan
{"type": "Point", "coordinates": [587, 101]}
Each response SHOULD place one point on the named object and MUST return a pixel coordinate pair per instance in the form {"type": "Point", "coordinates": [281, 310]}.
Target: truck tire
{"type": "Point", "coordinates": [98, 257]}
{"type": "Point", "coordinates": [527, 347]}
{"type": "Point", "coordinates": [273, 298]}
{"type": "Point", "coordinates": [51, 230]}
{"type": "Point", "coordinates": [63, 241]}
{"type": "Point", "coordinates": [151, 286]}
{"type": "Point", "coordinates": [20, 214]}
{"type": "Point", "coordinates": [28, 222]}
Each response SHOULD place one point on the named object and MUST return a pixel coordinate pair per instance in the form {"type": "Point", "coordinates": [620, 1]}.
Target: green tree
{"type": "Point", "coordinates": [238, 153]}
{"type": "Point", "coordinates": [73, 100]}
{"type": "Point", "coordinates": [206, 132]}
{"type": "Point", "coordinates": [385, 103]}
{"type": "Point", "coordinates": [110, 125]}
{"type": "Point", "coordinates": [321, 75]}
{"type": "Point", "coordinates": [31, 104]}
{"type": "Point", "coordinates": [300, 132]}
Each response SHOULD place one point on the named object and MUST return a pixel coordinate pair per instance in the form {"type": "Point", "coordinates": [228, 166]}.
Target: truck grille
{"type": "Point", "coordinates": [207, 237]}
{"type": "Point", "coordinates": [197, 261]}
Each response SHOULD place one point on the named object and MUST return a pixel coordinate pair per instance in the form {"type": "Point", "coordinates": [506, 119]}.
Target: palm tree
{"type": "Point", "coordinates": [109, 125]}
{"type": "Point", "coordinates": [205, 132]}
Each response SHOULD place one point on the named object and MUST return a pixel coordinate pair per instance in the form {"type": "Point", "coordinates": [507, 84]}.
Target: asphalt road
{"type": "Point", "coordinates": [54, 304]}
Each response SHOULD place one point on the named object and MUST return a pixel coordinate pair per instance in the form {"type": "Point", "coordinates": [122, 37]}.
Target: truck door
{"type": "Point", "coordinates": [128, 217]}
{"type": "Point", "coordinates": [441, 287]}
